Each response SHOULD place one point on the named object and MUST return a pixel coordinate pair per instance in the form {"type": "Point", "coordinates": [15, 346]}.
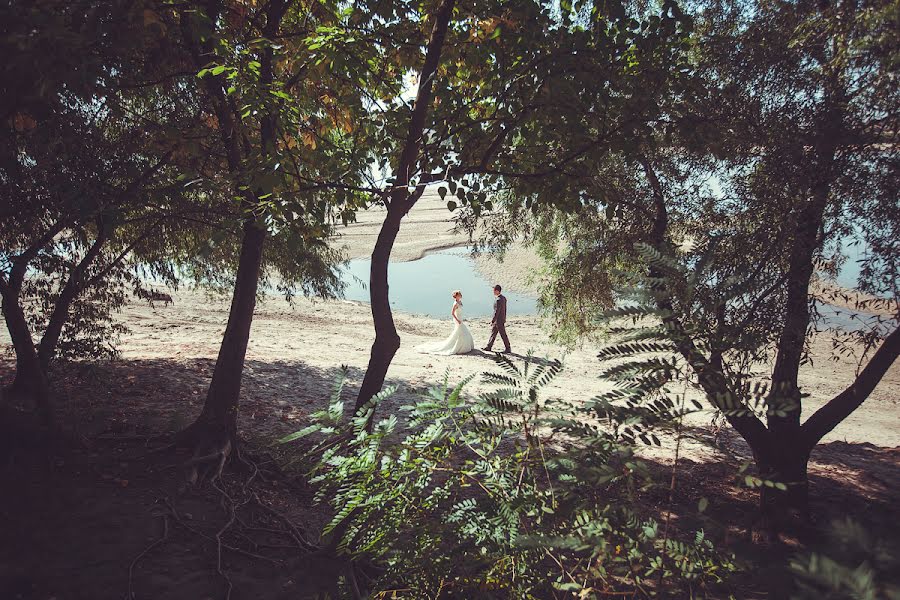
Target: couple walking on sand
{"type": "Point", "coordinates": [461, 341]}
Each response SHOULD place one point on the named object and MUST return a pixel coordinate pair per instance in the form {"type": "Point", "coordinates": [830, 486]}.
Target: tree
{"type": "Point", "coordinates": [74, 175]}
{"type": "Point", "coordinates": [498, 111]}
{"type": "Point", "coordinates": [825, 157]}
{"type": "Point", "coordinates": [280, 85]}
{"type": "Point", "coordinates": [784, 145]}
{"type": "Point", "coordinates": [399, 200]}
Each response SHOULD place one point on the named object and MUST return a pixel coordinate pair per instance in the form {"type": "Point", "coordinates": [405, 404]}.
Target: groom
{"type": "Point", "coordinates": [498, 323]}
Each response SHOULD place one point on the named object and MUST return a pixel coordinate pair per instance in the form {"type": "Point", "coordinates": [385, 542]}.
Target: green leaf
{"type": "Point", "coordinates": [451, 205]}
{"type": "Point", "coordinates": [299, 434]}
{"type": "Point", "coordinates": [702, 505]}
{"type": "Point", "coordinates": [442, 191]}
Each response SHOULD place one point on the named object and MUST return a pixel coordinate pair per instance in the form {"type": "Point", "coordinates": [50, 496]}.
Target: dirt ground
{"type": "Point", "coordinates": [73, 524]}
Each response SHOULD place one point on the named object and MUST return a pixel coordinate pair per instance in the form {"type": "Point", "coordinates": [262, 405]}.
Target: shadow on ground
{"type": "Point", "coordinates": [72, 525]}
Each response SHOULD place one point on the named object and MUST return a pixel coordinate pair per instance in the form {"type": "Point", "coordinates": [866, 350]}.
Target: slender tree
{"type": "Point", "coordinates": [400, 199]}
{"type": "Point", "coordinates": [780, 145]}
{"type": "Point", "coordinates": [290, 126]}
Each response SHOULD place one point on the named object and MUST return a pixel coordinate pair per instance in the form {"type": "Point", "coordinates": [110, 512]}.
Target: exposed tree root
{"type": "Point", "coordinates": [250, 528]}
{"type": "Point", "coordinates": [144, 552]}
{"type": "Point", "coordinates": [213, 446]}
{"type": "Point", "coordinates": [295, 533]}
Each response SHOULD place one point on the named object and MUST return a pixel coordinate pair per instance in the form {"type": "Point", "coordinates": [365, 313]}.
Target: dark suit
{"type": "Point", "coordinates": [498, 323]}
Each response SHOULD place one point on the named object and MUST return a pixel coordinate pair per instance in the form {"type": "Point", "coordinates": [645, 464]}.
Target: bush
{"type": "Point", "coordinates": [856, 566]}
{"type": "Point", "coordinates": [500, 496]}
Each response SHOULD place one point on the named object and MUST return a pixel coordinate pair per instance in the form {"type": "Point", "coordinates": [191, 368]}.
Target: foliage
{"type": "Point", "coordinates": [503, 495]}
{"type": "Point", "coordinates": [856, 566]}
{"type": "Point", "coordinates": [773, 148]}
{"type": "Point", "coordinates": [91, 330]}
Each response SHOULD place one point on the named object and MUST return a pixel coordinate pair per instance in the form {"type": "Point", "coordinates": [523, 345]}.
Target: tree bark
{"type": "Point", "coordinates": [30, 381]}
{"type": "Point", "coordinates": [787, 465]}
{"type": "Point", "coordinates": [219, 415]}
{"type": "Point", "coordinates": [387, 340]}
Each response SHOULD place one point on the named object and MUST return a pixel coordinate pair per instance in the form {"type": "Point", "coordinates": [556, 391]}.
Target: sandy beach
{"type": "Point", "coordinates": [159, 384]}
{"type": "Point", "coordinates": [316, 337]}
{"type": "Point", "coordinates": [429, 227]}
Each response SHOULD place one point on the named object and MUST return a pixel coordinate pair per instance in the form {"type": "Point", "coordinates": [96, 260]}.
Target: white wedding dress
{"type": "Point", "coordinates": [459, 342]}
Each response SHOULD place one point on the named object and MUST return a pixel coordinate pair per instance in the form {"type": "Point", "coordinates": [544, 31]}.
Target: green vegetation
{"type": "Point", "coordinates": [507, 494]}
{"type": "Point", "coordinates": [690, 173]}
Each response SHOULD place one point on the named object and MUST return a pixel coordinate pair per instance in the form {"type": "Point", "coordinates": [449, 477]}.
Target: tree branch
{"type": "Point", "coordinates": [70, 291]}
{"type": "Point", "coordinates": [711, 378]}
{"type": "Point", "coordinates": [20, 262]}
{"type": "Point", "coordinates": [839, 408]}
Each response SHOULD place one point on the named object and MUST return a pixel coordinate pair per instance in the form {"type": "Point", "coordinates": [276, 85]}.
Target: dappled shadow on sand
{"type": "Point", "coordinates": [71, 525]}
{"type": "Point", "coordinates": [73, 522]}
{"type": "Point", "coordinates": [160, 396]}
{"type": "Point", "coordinates": [491, 356]}
{"type": "Point", "coordinates": [869, 471]}
{"type": "Point", "coordinates": [860, 481]}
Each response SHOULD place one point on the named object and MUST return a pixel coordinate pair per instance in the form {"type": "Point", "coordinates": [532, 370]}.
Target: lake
{"type": "Point", "coordinates": [424, 286]}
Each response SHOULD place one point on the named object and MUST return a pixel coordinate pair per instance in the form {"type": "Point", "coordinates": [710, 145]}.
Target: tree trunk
{"type": "Point", "coordinates": [788, 466]}
{"type": "Point", "coordinates": [30, 382]}
{"type": "Point", "coordinates": [387, 341]}
{"type": "Point", "coordinates": [33, 382]}
{"type": "Point", "coordinates": [218, 420]}
{"type": "Point", "coordinates": [789, 443]}
{"type": "Point", "coordinates": [780, 509]}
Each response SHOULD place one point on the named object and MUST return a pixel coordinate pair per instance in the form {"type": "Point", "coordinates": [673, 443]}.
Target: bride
{"type": "Point", "coordinates": [460, 341]}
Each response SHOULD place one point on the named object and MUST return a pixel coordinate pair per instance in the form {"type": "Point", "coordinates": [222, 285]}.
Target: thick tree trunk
{"type": "Point", "coordinates": [214, 433]}
{"type": "Point", "coordinates": [218, 420]}
{"type": "Point", "coordinates": [788, 466]}
{"type": "Point", "coordinates": [30, 382]}
{"type": "Point", "coordinates": [785, 400]}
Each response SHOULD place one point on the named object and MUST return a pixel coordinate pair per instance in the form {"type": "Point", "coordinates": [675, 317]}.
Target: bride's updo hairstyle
{"type": "Point", "coordinates": [456, 293]}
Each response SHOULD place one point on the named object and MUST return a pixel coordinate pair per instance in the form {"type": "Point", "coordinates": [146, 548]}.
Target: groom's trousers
{"type": "Point", "coordinates": [501, 329]}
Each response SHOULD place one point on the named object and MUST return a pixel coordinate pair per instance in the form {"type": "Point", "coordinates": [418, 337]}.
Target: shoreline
{"type": "Point", "coordinates": [320, 335]}
{"type": "Point", "coordinates": [429, 228]}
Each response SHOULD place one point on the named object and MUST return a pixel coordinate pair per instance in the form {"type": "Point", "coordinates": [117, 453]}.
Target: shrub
{"type": "Point", "coordinates": [856, 566]}
{"type": "Point", "coordinates": [501, 496]}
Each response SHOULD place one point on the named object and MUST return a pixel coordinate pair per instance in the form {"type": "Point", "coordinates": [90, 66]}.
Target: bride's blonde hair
{"type": "Point", "coordinates": [456, 293]}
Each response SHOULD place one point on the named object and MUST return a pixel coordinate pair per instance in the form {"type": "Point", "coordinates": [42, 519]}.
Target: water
{"type": "Point", "coordinates": [835, 317]}
{"type": "Point", "coordinates": [424, 286]}
{"type": "Point", "coordinates": [848, 275]}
